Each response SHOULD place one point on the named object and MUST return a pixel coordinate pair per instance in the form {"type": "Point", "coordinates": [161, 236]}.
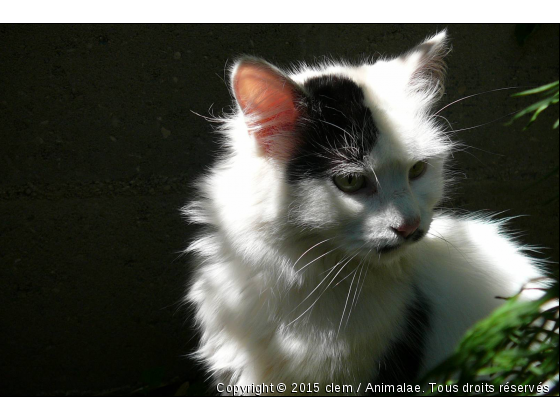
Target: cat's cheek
{"type": "Point", "coordinates": [427, 200]}
{"type": "Point", "coordinates": [350, 205]}
{"type": "Point", "coordinates": [426, 222]}
{"type": "Point", "coordinates": [317, 207]}
{"type": "Point", "coordinates": [428, 190]}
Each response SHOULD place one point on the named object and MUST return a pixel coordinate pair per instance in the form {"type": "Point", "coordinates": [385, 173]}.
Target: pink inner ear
{"type": "Point", "coordinates": [268, 99]}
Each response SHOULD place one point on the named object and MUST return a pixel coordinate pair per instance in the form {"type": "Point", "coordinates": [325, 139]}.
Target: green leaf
{"type": "Point", "coordinates": [551, 93]}
{"type": "Point", "coordinates": [510, 345]}
{"type": "Point", "coordinates": [535, 115]}
{"type": "Point", "coordinates": [539, 89]}
{"type": "Point", "coordinates": [531, 108]}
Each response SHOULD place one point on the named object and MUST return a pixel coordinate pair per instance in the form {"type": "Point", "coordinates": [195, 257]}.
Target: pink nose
{"type": "Point", "coordinates": [407, 228]}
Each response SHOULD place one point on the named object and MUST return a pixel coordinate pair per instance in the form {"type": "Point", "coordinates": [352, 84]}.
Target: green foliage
{"type": "Point", "coordinates": [515, 346]}
{"type": "Point", "coordinates": [550, 94]}
{"type": "Point", "coordinates": [550, 97]}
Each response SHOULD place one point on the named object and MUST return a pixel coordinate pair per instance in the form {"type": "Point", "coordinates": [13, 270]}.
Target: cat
{"type": "Point", "coordinates": [322, 259]}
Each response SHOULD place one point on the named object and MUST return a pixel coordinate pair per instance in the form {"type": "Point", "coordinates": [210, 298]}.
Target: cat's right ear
{"type": "Point", "coordinates": [269, 101]}
{"type": "Point", "coordinates": [425, 65]}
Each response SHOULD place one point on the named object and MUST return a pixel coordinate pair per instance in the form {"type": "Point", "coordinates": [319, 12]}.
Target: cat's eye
{"type": "Point", "coordinates": [417, 170]}
{"type": "Point", "coordinates": [349, 183]}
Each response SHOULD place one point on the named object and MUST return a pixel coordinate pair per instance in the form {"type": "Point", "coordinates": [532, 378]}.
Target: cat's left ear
{"type": "Point", "coordinates": [270, 102]}
{"type": "Point", "coordinates": [425, 65]}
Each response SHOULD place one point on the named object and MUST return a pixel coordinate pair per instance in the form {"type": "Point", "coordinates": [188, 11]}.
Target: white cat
{"type": "Point", "coordinates": [322, 259]}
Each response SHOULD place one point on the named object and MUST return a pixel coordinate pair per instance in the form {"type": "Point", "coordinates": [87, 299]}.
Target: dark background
{"type": "Point", "coordinates": [98, 147]}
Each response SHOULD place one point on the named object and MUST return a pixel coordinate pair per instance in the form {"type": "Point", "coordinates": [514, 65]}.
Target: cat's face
{"type": "Point", "coordinates": [381, 205]}
{"type": "Point", "coordinates": [361, 159]}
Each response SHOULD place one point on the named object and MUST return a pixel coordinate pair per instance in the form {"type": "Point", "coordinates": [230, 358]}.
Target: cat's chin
{"type": "Point", "coordinates": [389, 248]}
{"type": "Point", "coordinates": [387, 254]}
{"type": "Point", "coordinates": [400, 248]}
{"type": "Point", "coordinates": [391, 253]}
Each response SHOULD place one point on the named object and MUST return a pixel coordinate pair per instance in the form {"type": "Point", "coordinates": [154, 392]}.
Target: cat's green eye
{"type": "Point", "coordinates": [417, 170]}
{"type": "Point", "coordinates": [349, 183]}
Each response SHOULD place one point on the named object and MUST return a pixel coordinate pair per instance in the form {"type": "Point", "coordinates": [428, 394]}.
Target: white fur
{"type": "Point", "coordinates": [290, 287]}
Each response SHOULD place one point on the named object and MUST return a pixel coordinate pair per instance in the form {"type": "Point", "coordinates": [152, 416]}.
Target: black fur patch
{"type": "Point", "coordinates": [416, 236]}
{"type": "Point", "coordinates": [335, 128]}
{"type": "Point", "coordinates": [388, 248]}
{"type": "Point", "coordinates": [403, 360]}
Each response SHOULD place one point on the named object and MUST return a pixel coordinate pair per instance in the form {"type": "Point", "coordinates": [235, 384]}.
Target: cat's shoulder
{"type": "Point", "coordinates": [477, 253]}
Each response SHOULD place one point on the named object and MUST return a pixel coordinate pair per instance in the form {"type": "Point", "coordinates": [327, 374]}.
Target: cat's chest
{"type": "Point", "coordinates": [350, 300]}
{"type": "Point", "coordinates": [331, 333]}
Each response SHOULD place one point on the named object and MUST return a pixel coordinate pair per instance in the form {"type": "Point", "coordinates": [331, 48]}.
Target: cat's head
{"type": "Point", "coordinates": [355, 148]}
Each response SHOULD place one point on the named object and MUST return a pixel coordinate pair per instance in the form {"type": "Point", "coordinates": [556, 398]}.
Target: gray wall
{"type": "Point", "coordinates": [98, 147]}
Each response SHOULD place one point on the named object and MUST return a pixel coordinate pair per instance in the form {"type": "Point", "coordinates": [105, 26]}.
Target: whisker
{"type": "Point", "coordinates": [319, 257]}
{"type": "Point", "coordinates": [363, 281]}
{"type": "Point", "coordinates": [362, 263]}
{"type": "Point", "coordinates": [324, 290]}
{"type": "Point", "coordinates": [482, 125]}
{"type": "Point", "coordinates": [348, 297]}
{"type": "Point", "coordinates": [463, 147]}
{"type": "Point", "coordinates": [440, 236]}
{"type": "Point", "coordinates": [480, 93]}
{"type": "Point", "coordinates": [360, 276]}
{"type": "Point", "coordinates": [302, 255]}
{"type": "Point", "coordinates": [345, 277]}
{"type": "Point", "coordinates": [321, 282]}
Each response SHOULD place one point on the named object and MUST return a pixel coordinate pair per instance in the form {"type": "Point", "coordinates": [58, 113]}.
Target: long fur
{"type": "Point", "coordinates": [292, 285]}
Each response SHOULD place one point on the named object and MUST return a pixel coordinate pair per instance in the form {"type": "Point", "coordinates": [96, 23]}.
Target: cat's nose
{"type": "Point", "coordinates": [407, 228]}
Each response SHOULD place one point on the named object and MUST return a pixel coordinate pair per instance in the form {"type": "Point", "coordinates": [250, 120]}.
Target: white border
{"type": "Point", "coordinates": [278, 11]}
{"type": "Point", "coordinates": [270, 408]}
